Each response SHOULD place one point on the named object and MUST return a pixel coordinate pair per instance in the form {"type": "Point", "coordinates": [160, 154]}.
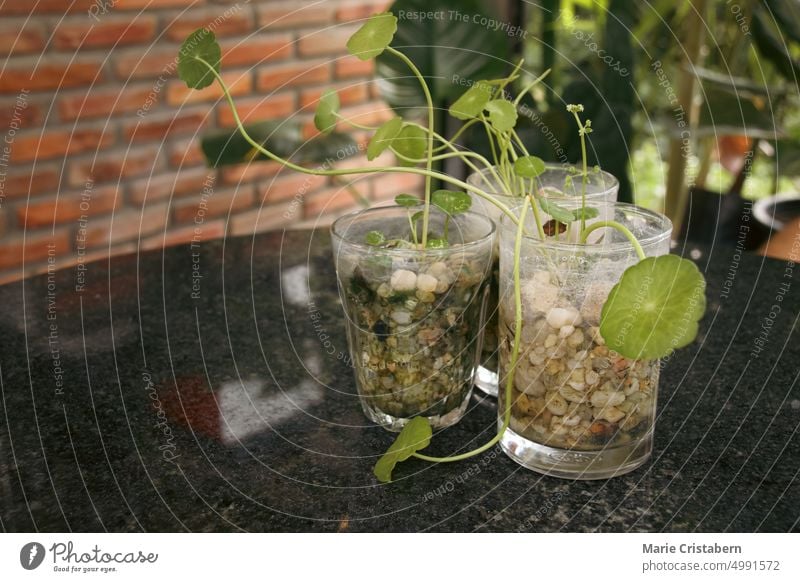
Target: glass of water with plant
{"type": "Point", "coordinates": [414, 316]}
{"type": "Point", "coordinates": [412, 276]}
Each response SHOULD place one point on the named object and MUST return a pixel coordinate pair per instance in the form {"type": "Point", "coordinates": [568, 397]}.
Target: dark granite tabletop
{"type": "Point", "coordinates": [207, 388]}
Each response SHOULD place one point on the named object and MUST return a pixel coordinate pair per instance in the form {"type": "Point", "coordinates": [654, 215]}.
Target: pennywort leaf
{"type": "Point", "coordinates": [411, 142]}
{"type": "Point", "coordinates": [560, 213]}
{"type": "Point", "coordinates": [473, 101]}
{"type": "Point", "coordinates": [373, 37]}
{"type": "Point", "coordinates": [383, 137]}
{"type": "Point", "coordinates": [502, 114]}
{"type": "Point", "coordinates": [415, 436]}
{"type": "Point", "coordinates": [437, 243]}
{"type": "Point", "coordinates": [328, 107]}
{"type": "Point", "coordinates": [585, 213]}
{"type": "Point", "coordinates": [529, 167]}
{"type": "Point", "coordinates": [407, 200]}
{"type": "Point", "coordinates": [201, 44]}
{"type": "Point", "coordinates": [375, 238]}
{"type": "Point", "coordinates": [451, 202]}
{"type": "Point", "coordinates": [654, 308]}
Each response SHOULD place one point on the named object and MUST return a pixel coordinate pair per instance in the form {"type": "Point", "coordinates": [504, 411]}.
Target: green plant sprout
{"type": "Point", "coordinates": [674, 301]}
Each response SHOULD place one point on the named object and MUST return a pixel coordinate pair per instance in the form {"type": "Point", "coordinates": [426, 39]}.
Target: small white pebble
{"type": "Point", "coordinates": [556, 405]}
{"type": "Point", "coordinates": [575, 339]}
{"type": "Point", "coordinates": [558, 317]}
{"type": "Point", "coordinates": [611, 414]}
{"type": "Point", "coordinates": [441, 271]}
{"type": "Point", "coordinates": [535, 388]}
{"type": "Point", "coordinates": [403, 280]}
{"type": "Point", "coordinates": [602, 398]}
{"type": "Point", "coordinates": [536, 359]}
{"type": "Point", "coordinates": [566, 331]}
{"type": "Point", "coordinates": [401, 317]}
{"type": "Point", "coordinates": [427, 283]}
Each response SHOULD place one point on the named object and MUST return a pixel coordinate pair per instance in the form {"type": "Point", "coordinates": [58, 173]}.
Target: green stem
{"type": "Point", "coordinates": [361, 170]}
{"type": "Point", "coordinates": [445, 145]}
{"type": "Point", "coordinates": [457, 134]}
{"type": "Point", "coordinates": [429, 163]}
{"type": "Point", "coordinates": [537, 217]}
{"type": "Point", "coordinates": [519, 142]}
{"type": "Point", "coordinates": [352, 123]}
{"type": "Point", "coordinates": [530, 86]}
{"type": "Point", "coordinates": [464, 157]}
{"type": "Point", "coordinates": [585, 176]}
{"type": "Point", "coordinates": [504, 83]}
{"type": "Point", "coordinates": [491, 139]}
{"type": "Point", "coordinates": [456, 154]}
{"type": "Point", "coordinates": [413, 228]}
{"type": "Point", "coordinates": [514, 357]}
{"type": "Point", "coordinates": [615, 225]}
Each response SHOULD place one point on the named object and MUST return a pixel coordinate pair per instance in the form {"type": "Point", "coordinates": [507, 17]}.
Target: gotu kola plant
{"type": "Point", "coordinates": [666, 288]}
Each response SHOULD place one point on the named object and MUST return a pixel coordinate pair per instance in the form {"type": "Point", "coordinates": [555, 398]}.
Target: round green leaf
{"type": "Point", "coordinates": [654, 308]}
{"type": "Point", "coordinates": [375, 238]}
{"type": "Point", "coordinates": [407, 200]}
{"type": "Point", "coordinates": [415, 436]}
{"type": "Point", "coordinates": [328, 107]}
{"type": "Point", "coordinates": [529, 167]}
{"type": "Point", "coordinates": [585, 213]}
{"type": "Point", "coordinates": [201, 44]}
{"type": "Point", "coordinates": [437, 243]}
{"type": "Point", "coordinates": [373, 37]}
{"type": "Point", "coordinates": [451, 202]}
{"type": "Point", "coordinates": [411, 142]}
{"type": "Point", "coordinates": [502, 114]}
{"type": "Point", "coordinates": [559, 213]}
{"type": "Point", "coordinates": [383, 137]}
{"type": "Point", "coordinates": [472, 102]}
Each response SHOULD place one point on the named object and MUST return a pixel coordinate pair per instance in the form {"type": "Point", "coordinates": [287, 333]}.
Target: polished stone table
{"type": "Point", "coordinates": [208, 388]}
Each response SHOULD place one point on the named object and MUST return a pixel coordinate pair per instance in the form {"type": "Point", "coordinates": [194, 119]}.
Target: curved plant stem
{"type": "Point", "coordinates": [504, 83]}
{"type": "Point", "coordinates": [444, 141]}
{"type": "Point", "coordinates": [464, 156]}
{"type": "Point", "coordinates": [617, 226]}
{"type": "Point", "coordinates": [362, 170]}
{"type": "Point", "coordinates": [530, 86]}
{"type": "Point", "coordinates": [352, 123]}
{"type": "Point", "coordinates": [444, 156]}
{"type": "Point", "coordinates": [457, 134]}
{"type": "Point", "coordinates": [429, 162]}
{"type": "Point", "coordinates": [514, 357]}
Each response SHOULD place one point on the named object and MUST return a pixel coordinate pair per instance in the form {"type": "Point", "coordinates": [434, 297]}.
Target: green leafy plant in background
{"type": "Point", "coordinates": [418, 146]}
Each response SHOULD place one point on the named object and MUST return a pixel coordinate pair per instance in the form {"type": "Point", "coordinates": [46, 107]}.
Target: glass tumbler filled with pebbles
{"type": "Point", "coordinates": [413, 315]}
{"type": "Point", "coordinates": [579, 409]}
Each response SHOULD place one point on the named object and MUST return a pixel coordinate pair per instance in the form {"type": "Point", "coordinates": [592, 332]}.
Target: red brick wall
{"type": "Point", "coordinates": [99, 139]}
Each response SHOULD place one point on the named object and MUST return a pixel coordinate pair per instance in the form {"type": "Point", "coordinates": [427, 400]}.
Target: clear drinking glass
{"type": "Point", "coordinates": [557, 181]}
{"type": "Point", "coordinates": [579, 410]}
{"type": "Point", "coordinates": [414, 317]}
